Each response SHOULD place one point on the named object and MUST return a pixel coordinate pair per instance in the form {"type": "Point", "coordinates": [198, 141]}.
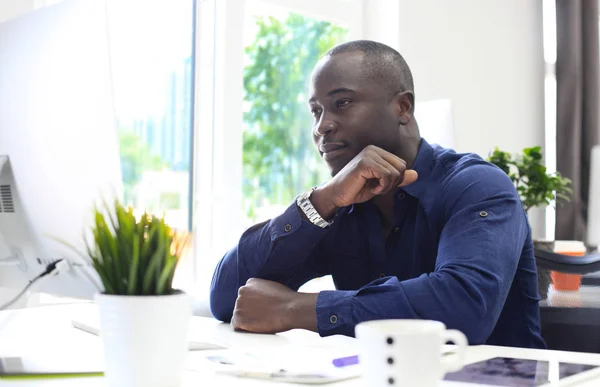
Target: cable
{"type": "Point", "coordinates": [20, 294]}
{"type": "Point", "coordinates": [49, 270]}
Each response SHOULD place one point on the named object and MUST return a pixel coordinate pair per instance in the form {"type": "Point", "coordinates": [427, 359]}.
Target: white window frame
{"type": "Point", "coordinates": [549, 40]}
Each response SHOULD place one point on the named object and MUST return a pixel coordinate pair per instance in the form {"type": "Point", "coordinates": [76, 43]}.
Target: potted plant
{"type": "Point", "coordinates": [536, 188]}
{"type": "Point", "coordinates": [143, 320]}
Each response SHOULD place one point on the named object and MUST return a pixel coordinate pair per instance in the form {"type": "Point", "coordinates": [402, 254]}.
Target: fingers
{"type": "Point", "coordinates": [389, 177]}
{"type": "Point", "coordinates": [374, 171]}
{"type": "Point", "coordinates": [235, 323]}
{"type": "Point", "coordinates": [401, 175]}
{"type": "Point", "coordinates": [249, 303]}
{"type": "Point", "coordinates": [239, 322]}
{"type": "Point", "coordinates": [410, 176]}
{"type": "Point", "coordinates": [395, 161]}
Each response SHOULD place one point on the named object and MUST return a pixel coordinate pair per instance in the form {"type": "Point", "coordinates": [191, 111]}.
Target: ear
{"type": "Point", "coordinates": [405, 106]}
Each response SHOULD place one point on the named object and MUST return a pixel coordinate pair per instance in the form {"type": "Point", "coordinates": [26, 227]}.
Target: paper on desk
{"type": "Point", "coordinates": [306, 363]}
{"type": "Point", "coordinates": [306, 367]}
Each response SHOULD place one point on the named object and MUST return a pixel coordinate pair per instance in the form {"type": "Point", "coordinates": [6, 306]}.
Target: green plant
{"type": "Point", "coordinates": [131, 256]}
{"type": "Point", "coordinates": [535, 186]}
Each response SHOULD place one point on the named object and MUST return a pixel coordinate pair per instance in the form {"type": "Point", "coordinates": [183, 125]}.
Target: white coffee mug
{"type": "Point", "coordinates": [408, 352]}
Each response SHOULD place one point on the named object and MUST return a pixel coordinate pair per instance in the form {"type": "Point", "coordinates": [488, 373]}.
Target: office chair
{"type": "Point", "coordinates": [572, 326]}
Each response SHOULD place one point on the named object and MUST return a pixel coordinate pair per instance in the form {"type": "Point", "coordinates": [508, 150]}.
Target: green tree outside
{"type": "Point", "coordinates": [136, 157]}
{"type": "Point", "coordinates": [279, 160]}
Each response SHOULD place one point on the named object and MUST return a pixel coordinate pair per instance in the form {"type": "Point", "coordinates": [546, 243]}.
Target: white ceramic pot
{"type": "Point", "coordinates": [144, 338]}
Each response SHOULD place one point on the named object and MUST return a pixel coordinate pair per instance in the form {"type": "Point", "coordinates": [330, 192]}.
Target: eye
{"type": "Point", "coordinates": [315, 111]}
{"type": "Point", "coordinates": [342, 103]}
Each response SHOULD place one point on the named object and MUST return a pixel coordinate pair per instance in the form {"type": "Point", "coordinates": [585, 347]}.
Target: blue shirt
{"type": "Point", "coordinates": [460, 252]}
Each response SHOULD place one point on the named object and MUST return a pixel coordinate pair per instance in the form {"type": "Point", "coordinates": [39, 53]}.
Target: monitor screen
{"type": "Point", "coordinates": [58, 131]}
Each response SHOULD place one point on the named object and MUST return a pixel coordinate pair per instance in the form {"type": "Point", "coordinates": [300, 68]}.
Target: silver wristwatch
{"type": "Point", "coordinates": [303, 201]}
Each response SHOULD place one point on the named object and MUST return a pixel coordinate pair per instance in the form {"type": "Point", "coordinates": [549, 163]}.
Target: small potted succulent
{"type": "Point", "coordinates": [143, 320]}
{"type": "Point", "coordinates": [536, 188]}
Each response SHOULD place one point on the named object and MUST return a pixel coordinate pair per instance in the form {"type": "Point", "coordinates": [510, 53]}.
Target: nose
{"type": "Point", "coordinates": [324, 127]}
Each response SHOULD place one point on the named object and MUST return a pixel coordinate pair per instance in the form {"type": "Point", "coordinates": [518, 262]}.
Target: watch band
{"type": "Point", "coordinates": [303, 201]}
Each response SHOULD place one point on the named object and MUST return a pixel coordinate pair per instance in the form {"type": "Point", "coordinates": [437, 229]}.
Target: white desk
{"type": "Point", "coordinates": [48, 329]}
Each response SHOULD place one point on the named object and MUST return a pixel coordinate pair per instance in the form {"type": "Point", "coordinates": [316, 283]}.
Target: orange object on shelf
{"type": "Point", "coordinates": [564, 281]}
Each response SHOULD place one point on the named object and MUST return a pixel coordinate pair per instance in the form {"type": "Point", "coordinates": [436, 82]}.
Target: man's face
{"type": "Point", "coordinates": [350, 111]}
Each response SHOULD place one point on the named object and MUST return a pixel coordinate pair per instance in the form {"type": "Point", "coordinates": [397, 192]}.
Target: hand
{"type": "Point", "coordinates": [265, 306]}
{"type": "Point", "coordinates": [372, 172]}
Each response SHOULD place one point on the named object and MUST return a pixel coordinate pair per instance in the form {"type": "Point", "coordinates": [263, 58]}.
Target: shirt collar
{"type": "Point", "coordinates": [423, 165]}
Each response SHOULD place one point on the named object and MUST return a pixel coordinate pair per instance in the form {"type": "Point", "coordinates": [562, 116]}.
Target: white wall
{"type": "Point", "coordinates": [12, 8]}
{"type": "Point", "coordinates": [485, 56]}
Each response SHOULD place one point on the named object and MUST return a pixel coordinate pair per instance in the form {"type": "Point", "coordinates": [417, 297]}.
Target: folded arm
{"type": "Point", "coordinates": [282, 250]}
{"type": "Point", "coordinates": [478, 253]}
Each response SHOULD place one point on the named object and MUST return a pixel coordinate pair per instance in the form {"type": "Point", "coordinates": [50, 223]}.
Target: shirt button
{"type": "Point", "coordinates": [382, 275]}
{"type": "Point", "coordinates": [288, 228]}
{"type": "Point", "coordinates": [333, 319]}
{"type": "Point", "coordinates": [483, 214]}
{"type": "Point", "coordinates": [397, 229]}
{"type": "Point", "coordinates": [401, 195]}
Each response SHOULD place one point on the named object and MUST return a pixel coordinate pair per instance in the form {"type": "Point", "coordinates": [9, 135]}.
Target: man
{"type": "Point", "coordinates": [406, 229]}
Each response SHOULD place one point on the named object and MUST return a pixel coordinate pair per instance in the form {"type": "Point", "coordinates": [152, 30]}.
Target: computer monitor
{"type": "Point", "coordinates": [58, 143]}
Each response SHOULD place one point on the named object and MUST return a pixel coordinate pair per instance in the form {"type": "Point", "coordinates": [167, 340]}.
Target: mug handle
{"type": "Point", "coordinates": [454, 361]}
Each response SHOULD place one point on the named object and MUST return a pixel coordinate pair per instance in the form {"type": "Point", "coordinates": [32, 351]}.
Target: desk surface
{"type": "Point", "coordinates": [48, 330]}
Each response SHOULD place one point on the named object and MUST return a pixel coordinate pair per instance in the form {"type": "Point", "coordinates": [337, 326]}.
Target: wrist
{"type": "Point", "coordinates": [321, 200]}
{"type": "Point", "coordinates": [302, 311]}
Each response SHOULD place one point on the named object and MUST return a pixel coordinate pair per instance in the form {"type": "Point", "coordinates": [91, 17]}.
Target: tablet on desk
{"type": "Point", "coordinates": [512, 372]}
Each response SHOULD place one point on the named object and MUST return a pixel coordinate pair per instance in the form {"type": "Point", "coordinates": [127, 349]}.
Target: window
{"type": "Point", "coordinates": [279, 161]}
{"type": "Point", "coordinates": [153, 79]}
{"type": "Point", "coordinates": [261, 144]}
{"type": "Point", "coordinates": [151, 48]}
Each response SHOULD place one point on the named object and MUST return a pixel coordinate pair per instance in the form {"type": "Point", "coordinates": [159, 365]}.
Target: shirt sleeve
{"type": "Point", "coordinates": [283, 249]}
{"type": "Point", "coordinates": [479, 249]}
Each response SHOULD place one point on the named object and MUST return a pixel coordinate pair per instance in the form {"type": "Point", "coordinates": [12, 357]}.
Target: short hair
{"type": "Point", "coordinates": [381, 63]}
